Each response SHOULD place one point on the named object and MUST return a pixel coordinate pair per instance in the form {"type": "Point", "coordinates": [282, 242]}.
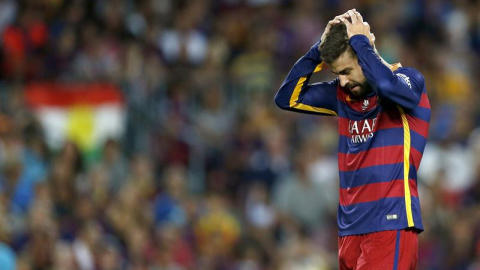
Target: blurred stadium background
{"type": "Point", "coordinates": [143, 134]}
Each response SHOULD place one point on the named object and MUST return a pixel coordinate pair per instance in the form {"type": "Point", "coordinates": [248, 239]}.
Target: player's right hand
{"type": "Point", "coordinates": [335, 20]}
{"type": "Point", "coordinates": [357, 26]}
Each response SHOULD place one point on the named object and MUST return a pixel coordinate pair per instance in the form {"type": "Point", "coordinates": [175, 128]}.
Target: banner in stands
{"type": "Point", "coordinates": [87, 114]}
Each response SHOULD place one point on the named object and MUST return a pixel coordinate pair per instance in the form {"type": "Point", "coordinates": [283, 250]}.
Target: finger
{"type": "Point", "coordinates": [345, 15]}
{"type": "Point", "coordinates": [352, 16]}
{"type": "Point", "coordinates": [359, 16]}
{"type": "Point", "coordinates": [330, 23]}
{"type": "Point", "coordinates": [345, 21]}
{"type": "Point", "coordinates": [368, 25]}
{"type": "Point", "coordinates": [334, 21]}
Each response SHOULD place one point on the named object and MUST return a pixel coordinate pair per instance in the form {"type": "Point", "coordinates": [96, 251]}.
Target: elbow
{"type": "Point", "coordinates": [281, 102]}
{"type": "Point", "coordinates": [408, 101]}
{"type": "Point", "coordinates": [403, 90]}
{"type": "Point", "coordinates": [407, 104]}
{"type": "Point", "coordinates": [411, 103]}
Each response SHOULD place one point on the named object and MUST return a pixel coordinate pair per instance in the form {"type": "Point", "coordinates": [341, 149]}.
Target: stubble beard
{"type": "Point", "coordinates": [365, 89]}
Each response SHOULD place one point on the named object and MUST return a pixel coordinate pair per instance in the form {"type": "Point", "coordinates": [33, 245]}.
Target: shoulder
{"type": "Point", "coordinates": [409, 74]}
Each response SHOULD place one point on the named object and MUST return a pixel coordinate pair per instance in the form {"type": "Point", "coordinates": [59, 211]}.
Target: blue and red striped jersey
{"type": "Point", "coordinates": [381, 137]}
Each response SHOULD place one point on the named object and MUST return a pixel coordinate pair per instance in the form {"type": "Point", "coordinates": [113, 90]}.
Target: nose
{"type": "Point", "coordinates": [343, 80]}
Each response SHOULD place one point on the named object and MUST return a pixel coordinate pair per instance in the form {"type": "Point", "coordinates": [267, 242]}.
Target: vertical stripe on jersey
{"type": "Point", "coordinates": [406, 166]}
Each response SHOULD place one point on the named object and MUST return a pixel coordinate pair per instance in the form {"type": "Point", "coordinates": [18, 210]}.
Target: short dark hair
{"type": "Point", "coordinates": [335, 43]}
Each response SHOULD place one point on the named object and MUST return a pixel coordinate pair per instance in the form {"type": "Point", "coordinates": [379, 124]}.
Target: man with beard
{"type": "Point", "coordinates": [383, 119]}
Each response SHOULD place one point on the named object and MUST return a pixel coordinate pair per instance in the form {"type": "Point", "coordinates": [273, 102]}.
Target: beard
{"type": "Point", "coordinates": [363, 89]}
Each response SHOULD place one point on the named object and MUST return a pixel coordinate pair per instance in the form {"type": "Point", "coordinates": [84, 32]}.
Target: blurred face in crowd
{"type": "Point", "coordinates": [350, 74]}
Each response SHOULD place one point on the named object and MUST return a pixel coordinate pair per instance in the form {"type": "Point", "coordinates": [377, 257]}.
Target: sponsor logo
{"type": "Point", "coordinates": [405, 78]}
{"type": "Point", "coordinates": [361, 130]}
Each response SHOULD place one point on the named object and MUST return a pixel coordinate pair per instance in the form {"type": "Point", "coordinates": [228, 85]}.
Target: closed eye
{"type": "Point", "coordinates": [346, 71]}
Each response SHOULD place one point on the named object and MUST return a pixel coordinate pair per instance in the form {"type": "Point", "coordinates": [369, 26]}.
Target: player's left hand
{"type": "Point", "coordinates": [357, 26]}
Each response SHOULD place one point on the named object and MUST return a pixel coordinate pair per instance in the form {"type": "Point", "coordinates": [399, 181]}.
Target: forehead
{"type": "Point", "coordinates": [346, 60]}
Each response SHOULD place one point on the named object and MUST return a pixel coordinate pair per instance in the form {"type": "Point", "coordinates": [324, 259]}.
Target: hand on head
{"type": "Point", "coordinates": [354, 23]}
{"type": "Point", "coordinates": [332, 22]}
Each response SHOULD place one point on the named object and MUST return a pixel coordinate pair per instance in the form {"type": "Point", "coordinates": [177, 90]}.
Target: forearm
{"type": "Point", "coordinates": [380, 76]}
{"type": "Point", "coordinates": [303, 68]}
{"type": "Point", "coordinates": [296, 94]}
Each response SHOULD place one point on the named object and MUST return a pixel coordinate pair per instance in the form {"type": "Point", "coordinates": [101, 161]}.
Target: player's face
{"type": "Point", "coordinates": [350, 74]}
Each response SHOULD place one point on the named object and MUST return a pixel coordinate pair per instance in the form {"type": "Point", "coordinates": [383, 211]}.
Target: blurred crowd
{"type": "Point", "coordinates": [209, 174]}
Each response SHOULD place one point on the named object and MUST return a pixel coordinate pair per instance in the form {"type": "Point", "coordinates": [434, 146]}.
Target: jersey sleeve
{"type": "Point", "coordinates": [296, 94]}
{"type": "Point", "coordinates": [404, 89]}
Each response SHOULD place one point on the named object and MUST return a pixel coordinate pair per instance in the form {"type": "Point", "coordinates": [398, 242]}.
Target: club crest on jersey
{"type": "Point", "coordinates": [366, 102]}
{"type": "Point", "coordinates": [361, 130]}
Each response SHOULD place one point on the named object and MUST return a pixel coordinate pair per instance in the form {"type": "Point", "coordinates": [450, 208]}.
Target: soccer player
{"type": "Point", "coordinates": [383, 119]}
